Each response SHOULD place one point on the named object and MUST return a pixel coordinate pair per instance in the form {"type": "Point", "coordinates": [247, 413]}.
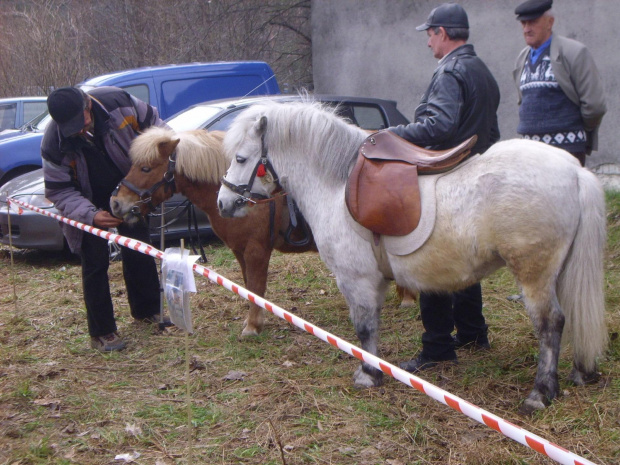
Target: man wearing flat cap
{"type": "Point", "coordinates": [85, 151]}
{"type": "Point", "coordinates": [561, 99]}
{"type": "Point", "coordinates": [461, 101]}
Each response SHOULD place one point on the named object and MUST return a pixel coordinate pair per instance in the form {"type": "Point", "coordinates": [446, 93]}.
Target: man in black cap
{"type": "Point", "coordinates": [85, 155]}
{"type": "Point", "coordinates": [461, 101]}
{"type": "Point", "coordinates": [560, 90]}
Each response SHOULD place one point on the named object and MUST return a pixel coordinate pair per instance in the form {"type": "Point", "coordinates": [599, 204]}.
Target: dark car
{"type": "Point", "coordinates": [32, 230]}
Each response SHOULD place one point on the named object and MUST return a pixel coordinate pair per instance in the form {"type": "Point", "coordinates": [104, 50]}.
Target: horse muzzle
{"type": "Point", "coordinates": [128, 213]}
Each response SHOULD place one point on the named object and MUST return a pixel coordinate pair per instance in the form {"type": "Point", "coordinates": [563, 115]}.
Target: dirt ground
{"type": "Point", "coordinates": [282, 398]}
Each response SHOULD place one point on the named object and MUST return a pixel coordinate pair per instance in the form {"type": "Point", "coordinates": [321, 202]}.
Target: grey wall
{"type": "Point", "coordinates": [371, 48]}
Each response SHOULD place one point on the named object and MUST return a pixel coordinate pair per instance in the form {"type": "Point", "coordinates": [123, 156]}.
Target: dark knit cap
{"type": "Point", "coordinates": [446, 15]}
{"type": "Point", "coordinates": [66, 105]}
{"type": "Point", "coordinates": [532, 9]}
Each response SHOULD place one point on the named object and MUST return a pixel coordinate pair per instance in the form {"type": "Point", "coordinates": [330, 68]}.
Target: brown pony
{"type": "Point", "coordinates": [198, 163]}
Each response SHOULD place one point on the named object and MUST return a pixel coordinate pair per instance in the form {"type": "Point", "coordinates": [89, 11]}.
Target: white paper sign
{"type": "Point", "coordinates": [178, 283]}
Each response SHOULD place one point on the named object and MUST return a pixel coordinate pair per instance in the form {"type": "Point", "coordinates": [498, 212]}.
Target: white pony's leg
{"type": "Point", "coordinates": [365, 298]}
{"type": "Point", "coordinates": [548, 321]}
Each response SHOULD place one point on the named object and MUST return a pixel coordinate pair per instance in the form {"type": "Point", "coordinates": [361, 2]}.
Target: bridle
{"type": "Point", "coordinates": [263, 168]}
{"type": "Point", "coordinates": [146, 195]}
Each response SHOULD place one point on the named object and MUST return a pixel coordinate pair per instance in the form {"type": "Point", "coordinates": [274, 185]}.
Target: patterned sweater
{"type": "Point", "coordinates": [546, 114]}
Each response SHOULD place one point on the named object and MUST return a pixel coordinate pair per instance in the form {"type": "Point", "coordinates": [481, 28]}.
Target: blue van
{"type": "Point", "coordinates": [173, 88]}
{"type": "Point", "coordinates": [170, 88]}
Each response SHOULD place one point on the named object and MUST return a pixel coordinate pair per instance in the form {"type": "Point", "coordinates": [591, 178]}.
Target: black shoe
{"type": "Point", "coordinates": [479, 343]}
{"type": "Point", "coordinates": [421, 363]}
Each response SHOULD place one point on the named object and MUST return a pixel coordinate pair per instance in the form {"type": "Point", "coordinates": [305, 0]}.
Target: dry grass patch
{"type": "Point", "coordinates": [282, 398]}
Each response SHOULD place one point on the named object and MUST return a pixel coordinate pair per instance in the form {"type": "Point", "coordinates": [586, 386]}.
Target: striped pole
{"type": "Point", "coordinates": [514, 432]}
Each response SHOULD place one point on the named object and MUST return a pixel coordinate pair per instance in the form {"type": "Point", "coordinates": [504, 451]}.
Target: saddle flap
{"type": "Point", "coordinates": [384, 196]}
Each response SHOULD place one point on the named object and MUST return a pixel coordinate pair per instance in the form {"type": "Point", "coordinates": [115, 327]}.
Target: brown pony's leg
{"type": "Point", "coordinates": [408, 298]}
{"type": "Point", "coordinates": [254, 263]}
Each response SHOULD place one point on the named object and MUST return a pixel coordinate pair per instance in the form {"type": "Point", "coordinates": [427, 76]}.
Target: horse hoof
{"type": "Point", "coordinates": [363, 380]}
{"type": "Point", "coordinates": [579, 378]}
{"type": "Point", "coordinates": [530, 406]}
{"type": "Point", "coordinates": [249, 332]}
{"type": "Point", "coordinates": [535, 401]}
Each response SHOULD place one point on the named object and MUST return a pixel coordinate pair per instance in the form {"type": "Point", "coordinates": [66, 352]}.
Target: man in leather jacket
{"type": "Point", "coordinates": [461, 100]}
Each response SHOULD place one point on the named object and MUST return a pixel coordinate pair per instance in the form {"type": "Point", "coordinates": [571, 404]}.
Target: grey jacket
{"type": "Point", "coordinates": [578, 77]}
{"type": "Point", "coordinates": [119, 118]}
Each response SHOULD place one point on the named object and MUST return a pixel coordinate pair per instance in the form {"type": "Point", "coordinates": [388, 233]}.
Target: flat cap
{"type": "Point", "coordinates": [446, 15]}
{"type": "Point", "coordinates": [532, 9]}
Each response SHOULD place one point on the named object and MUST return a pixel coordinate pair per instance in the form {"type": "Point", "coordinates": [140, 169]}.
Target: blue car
{"type": "Point", "coordinates": [20, 151]}
{"type": "Point", "coordinates": [17, 111]}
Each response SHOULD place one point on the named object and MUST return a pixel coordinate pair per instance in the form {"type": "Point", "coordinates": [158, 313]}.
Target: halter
{"type": "Point", "coordinates": [263, 166]}
{"type": "Point", "coordinates": [146, 195]}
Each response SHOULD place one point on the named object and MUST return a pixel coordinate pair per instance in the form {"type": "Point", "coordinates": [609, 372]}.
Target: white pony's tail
{"type": "Point", "coordinates": [580, 285]}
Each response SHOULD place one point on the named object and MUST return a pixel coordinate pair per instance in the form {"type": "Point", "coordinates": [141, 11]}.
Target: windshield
{"type": "Point", "coordinates": [193, 118]}
{"type": "Point", "coordinates": [37, 123]}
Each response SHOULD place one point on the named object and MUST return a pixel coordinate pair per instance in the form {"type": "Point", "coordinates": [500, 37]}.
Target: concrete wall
{"type": "Point", "coordinates": [371, 48]}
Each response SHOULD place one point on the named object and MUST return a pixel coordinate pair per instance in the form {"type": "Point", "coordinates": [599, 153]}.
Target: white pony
{"type": "Point", "coordinates": [524, 205]}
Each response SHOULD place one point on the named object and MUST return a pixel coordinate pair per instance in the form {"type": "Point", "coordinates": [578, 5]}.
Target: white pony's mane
{"type": "Point", "coordinates": [199, 153]}
{"type": "Point", "coordinates": [309, 127]}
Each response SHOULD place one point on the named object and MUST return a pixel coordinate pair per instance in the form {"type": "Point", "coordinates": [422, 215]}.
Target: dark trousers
{"type": "Point", "coordinates": [581, 156]}
{"type": "Point", "coordinates": [139, 272]}
{"type": "Point", "coordinates": [442, 312]}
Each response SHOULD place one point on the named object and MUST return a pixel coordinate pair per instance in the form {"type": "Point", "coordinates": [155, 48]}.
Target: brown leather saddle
{"type": "Point", "coordinates": [382, 192]}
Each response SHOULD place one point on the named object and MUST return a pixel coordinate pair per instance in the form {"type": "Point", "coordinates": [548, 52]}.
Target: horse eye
{"type": "Point", "coordinates": [240, 159]}
{"type": "Point", "coordinates": [146, 169]}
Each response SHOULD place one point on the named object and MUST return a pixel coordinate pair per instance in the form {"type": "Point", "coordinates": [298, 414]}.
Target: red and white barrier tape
{"type": "Point", "coordinates": [508, 429]}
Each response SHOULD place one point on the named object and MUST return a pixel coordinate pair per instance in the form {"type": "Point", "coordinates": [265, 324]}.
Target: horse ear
{"type": "Point", "coordinates": [261, 125]}
{"type": "Point", "coordinates": [167, 147]}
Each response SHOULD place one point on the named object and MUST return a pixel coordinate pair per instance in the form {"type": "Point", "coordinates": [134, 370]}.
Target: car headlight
{"type": "Point", "coordinates": [36, 200]}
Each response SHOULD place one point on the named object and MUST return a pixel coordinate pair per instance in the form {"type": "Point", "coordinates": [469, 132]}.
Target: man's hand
{"type": "Point", "coordinates": [105, 220]}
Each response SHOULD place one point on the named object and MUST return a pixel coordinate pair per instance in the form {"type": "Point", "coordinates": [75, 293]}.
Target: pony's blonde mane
{"type": "Point", "coordinates": [306, 127]}
{"type": "Point", "coordinates": [200, 155]}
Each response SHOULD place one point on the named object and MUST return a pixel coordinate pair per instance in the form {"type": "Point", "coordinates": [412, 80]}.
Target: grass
{"type": "Point", "coordinates": [284, 397]}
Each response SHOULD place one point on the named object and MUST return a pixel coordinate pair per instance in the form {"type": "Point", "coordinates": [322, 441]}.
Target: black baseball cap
{"type": "Point", "coordinates": [532, 9]}
{"type": "Point", "coordinates": [66, 105]}
{"type": "Point", "coordinates": [446, 15]}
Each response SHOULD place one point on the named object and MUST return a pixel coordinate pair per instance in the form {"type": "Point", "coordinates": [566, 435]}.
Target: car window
{"type": "Point", "coordinates": [140, 91]}
{"type": "Point", "coordinates": [369, 117]}
{"type": "Point", "coordinates": [223, 122]}
{"type": "Point", "coordinates": [33, 109]}
{"type": "Point", "coordinates": [7, 115]}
